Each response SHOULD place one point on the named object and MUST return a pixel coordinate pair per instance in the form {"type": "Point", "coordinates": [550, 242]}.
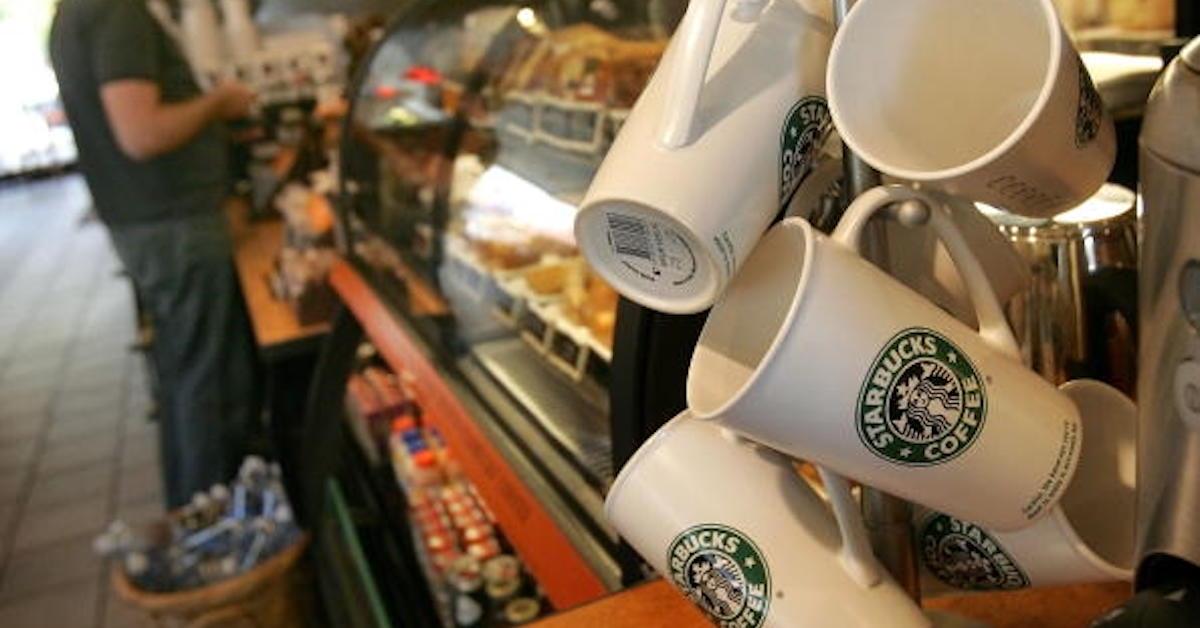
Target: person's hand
{"type": "Point", "coordinates": [235, 100]}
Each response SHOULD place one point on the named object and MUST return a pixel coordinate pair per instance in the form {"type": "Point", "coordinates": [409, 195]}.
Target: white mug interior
{"type": "Point", "coordinates": [1099, 504]}
{"type": "Point", "coordinates": [932, 89]}
{"type": "Point", "coordinates": [744, 329]}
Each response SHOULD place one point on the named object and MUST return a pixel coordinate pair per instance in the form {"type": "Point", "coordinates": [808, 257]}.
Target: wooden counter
{"type": "Point", "coordinates": [276, 330]}
{"type": "Point", "coordinates": [658, 605]}
{"type": "Point", "coordinates": [652, 605]}
{"type": "Point", "coordinates": [1055, 607]}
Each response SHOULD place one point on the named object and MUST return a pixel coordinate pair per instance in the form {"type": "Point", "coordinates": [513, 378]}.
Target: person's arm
{"type": "Point", "coordinates": [127, 60]}
{"type": "Point", "coordinates": [145, 127]}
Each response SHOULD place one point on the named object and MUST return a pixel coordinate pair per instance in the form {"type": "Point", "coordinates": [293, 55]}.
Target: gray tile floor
{"type": "Point", "coordinates": [76, 448]}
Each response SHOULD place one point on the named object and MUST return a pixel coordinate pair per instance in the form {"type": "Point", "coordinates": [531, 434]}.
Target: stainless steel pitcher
{"type": "Point", "coordinates": [1169, 380]}
{"type": "Point", "coordinates": [1078, 316]}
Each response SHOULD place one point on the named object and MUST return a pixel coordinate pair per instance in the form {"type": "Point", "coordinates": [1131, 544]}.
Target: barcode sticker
{"type": "Point", "coordinates": [630, 236]}
{"type": "Point", "coordinates": [652, 250]}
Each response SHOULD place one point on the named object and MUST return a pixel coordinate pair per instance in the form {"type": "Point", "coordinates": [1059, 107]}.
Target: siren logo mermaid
{"type": "Point", "coordinates": [923, 402]}
{"type": "Point", "coordinates": [965, 557]}
{"type": "Point", "coordinates": [1091, 110]}
{"type": "Point", "coordinates": [724, 573]}
{"type": "Point", "coordinates": [805, 130]}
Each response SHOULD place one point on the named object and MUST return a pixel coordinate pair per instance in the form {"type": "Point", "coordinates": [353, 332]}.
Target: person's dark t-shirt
{"type": "Point", "coordinates": [93, 42]}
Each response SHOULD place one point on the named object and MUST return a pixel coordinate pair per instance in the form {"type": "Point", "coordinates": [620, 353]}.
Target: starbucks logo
{"type": "Point", "coordinates": [923, 403]}
{"type": "Point", "coordinates": [964, 556]}
{"type": "Point", "coordinates": [723, 572]}
{"type": "Point", "coordinates": [805, 130]}
{"type": "Point", "coordinates": [1091, 109]}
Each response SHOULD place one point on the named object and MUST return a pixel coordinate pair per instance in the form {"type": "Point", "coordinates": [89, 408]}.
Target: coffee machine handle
{"type": "Point", "coordinates": [694, 43]}
{"type": "Point", "coordinates": [932, 208]}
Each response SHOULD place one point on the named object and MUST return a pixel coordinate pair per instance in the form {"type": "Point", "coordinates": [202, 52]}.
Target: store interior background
{"type": "Point", "coordinates": [77, 444]}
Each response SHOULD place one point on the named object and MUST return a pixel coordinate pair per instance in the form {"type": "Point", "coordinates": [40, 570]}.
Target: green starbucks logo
{"type": "Point", "coordinates": [805, 130]}
{"type": "Point", "coordinates": [723, 572]}
{"type": "Point", "coordinates": [966, 557]}
{"type": "Point", "coordinates": [1090, 114]}
{"type": "Point", "coordinates": [923, 403]}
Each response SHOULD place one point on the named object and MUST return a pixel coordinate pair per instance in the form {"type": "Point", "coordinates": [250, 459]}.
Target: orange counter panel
{"type": "Point", "coordinates": [652, 605]}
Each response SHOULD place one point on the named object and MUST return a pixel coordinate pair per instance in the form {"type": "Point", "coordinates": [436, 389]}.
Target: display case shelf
{"type": "Point", "coordinates": [559, 550]}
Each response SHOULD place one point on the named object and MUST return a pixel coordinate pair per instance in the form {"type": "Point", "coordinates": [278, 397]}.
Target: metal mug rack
{"type": "Point", "coordinates": [888, 518]}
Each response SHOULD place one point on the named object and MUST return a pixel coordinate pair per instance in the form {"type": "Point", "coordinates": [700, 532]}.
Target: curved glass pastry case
{"type": "Point", "coordinates": [474, 131]}
{"type": "Point", "coordinates": [474, 135]}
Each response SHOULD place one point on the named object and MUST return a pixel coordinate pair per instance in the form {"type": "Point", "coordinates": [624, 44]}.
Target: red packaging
{"type": "Point", "coordinates": [452, 492]}
{"type": "Point", "coordinates": [443, 560]}
{"type": "Point", "coordinates": [394, 403]}
{"type": "Point", "coordinates": [459, 505]}
{"type": "Point", "coordinates": [436, 543]}
{"type": "Point", "coordinates": [433, 521]}
{"type": "Point", "coordinates": [477, 533]}
{"type": "Point", "coordinates": [482, 504]}
{"type": "Point", "coordinates": [472, 517]}
{"type": "Point", "coordinates": [403, 424]}
{"type": "Point", "coordinates": [484, 550]}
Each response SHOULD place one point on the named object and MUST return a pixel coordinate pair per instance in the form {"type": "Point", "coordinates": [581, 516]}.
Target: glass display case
{"type": "Point", "coordinates": [474, 135]}
{"type": "Point", "coordinates": [474, 131]}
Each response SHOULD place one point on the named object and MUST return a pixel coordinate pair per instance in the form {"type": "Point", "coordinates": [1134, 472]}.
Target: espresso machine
{"type": "Point", "coordinates": [1168, 573]}
{"type": "Point", "coordinates": [1169, 388]}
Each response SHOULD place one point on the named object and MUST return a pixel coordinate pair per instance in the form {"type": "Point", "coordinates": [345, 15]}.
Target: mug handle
{"type": "Point", "coordinates": [856, 555]}
{"type": "Point", "coordinates": [695, 38]}
{"type": "Point", "coordinates": [993, 325]}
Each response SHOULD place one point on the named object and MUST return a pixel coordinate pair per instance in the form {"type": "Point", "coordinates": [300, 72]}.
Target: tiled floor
{"type": "Point", "coordinates": [76, 448]}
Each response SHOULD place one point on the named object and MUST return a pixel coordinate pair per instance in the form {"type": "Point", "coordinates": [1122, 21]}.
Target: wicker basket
{"type": "Point", "coordinates": [273, 594]}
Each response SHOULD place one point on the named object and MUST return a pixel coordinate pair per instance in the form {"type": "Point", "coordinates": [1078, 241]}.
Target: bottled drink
{"type": "Point", "coordinates": [469, 601]}
{"type": "Point", "coordinates": [521, 611]}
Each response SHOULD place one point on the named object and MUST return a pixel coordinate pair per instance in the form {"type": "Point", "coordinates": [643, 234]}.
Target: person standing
{"type": "Point", "coordinates": [153, 151]}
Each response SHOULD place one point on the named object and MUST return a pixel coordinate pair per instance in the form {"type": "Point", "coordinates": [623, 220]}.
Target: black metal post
{"type": "Point", "coordinates": [888, 518]}
{"type": "Point", "coordinates": [1187, 18]}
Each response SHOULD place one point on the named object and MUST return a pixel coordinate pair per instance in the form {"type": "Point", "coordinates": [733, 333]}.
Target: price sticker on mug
{"type": "Point", "coordinates": [651, 250]}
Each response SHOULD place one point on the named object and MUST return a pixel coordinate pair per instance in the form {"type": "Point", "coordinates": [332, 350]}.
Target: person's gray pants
{"type": "Point", "coordinates": [203, 347]}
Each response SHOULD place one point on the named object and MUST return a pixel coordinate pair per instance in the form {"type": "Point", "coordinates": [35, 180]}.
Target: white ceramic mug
{"type": "Point", "coordinates": [731, 123]}
{"type": "Point", "coordinates": [815, 352]}
{"type": "Point", "coordinates": [985, 99]}
{"type": "Point", "coordinates": [733, 527]}
{"type": "Point", "coordinates": [202, 39]}
{"type": "Point", "coordinates": [1089, 537]}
